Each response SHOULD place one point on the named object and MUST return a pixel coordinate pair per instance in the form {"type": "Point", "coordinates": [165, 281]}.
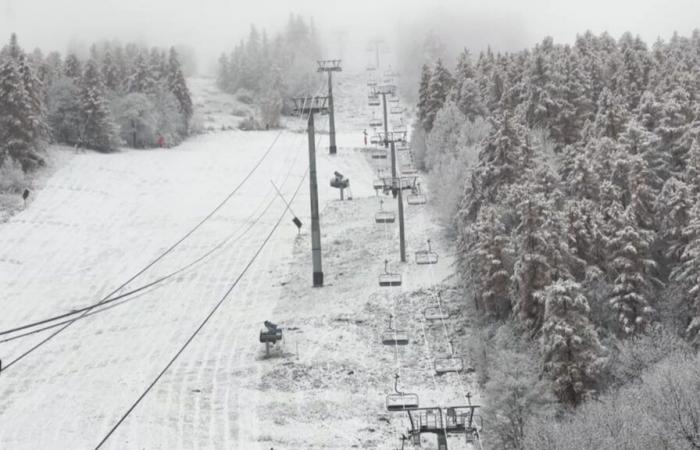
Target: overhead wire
{"type": "Point", "coordinates": [140, 288]}
{"type": "Point", "coordinates": [86, 310]}
{"type": "Point", "coordinates": [203, 323]}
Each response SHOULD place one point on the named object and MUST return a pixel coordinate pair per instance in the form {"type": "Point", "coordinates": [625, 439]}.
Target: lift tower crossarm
{"type": "Point", "coordinates": [330, 66]}
{"type": "Point", "coordinates": [311, 106]}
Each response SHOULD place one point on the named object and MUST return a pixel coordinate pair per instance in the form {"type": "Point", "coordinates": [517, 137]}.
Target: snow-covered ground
{"type": "Point", "coordinates": [100, 218]}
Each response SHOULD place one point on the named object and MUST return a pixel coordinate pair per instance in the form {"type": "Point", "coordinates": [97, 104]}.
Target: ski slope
{"type": "Point", "coordinates": [100, 218]}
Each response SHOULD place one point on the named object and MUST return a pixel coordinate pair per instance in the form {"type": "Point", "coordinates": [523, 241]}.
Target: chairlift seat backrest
{"type": "Point", "coordinates": [401, 402]}
{"type": "Point", "coordinates": [395, 337]}
{"type": "Point", "coordinates": [379, 153]}
{"type": "Point", "coordinates": [436, 313]}
{"type": "Point", "coordinates": [416, 199]}
{"type": "Point", "coordinates": [450, 364]}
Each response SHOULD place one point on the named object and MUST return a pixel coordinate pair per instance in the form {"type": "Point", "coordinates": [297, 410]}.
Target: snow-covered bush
{"type": "Point", "coordinates": [137, 119]}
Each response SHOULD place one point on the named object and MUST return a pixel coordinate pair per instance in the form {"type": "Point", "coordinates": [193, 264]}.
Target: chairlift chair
{"type": "Point", "coordinates": [394, 337]}
{"type": "Point", "coordinates": [388, 279]}
{"type": "Point", "coordinates": [373, 100]}
{"type": "Point", "coordinates": [371, 68]}
{"type": "Point", "coordinates": [426, 256]}
{"type": "Point", "coordinates": [450, 363]}
{"type": "Point", "coordinates": [400, 128]}
{"type": "Point", "coordinates": [378, 184]}
{"type": "Point", "coordinates": [371, 83]}
{"type": "Point", "coordinates": [396, 110]}
{"type": "Point", "coordinates": [400, 401]}
{"type": "Point", "coordinates": [384, 216]}
{"type": "Point", "coordinates": [375, 140]}
{"type": "Point", "coordinates": [410, 170]}
{"type": "Point", "coordinates": [394, 99]}
{"type": "Point", "coordinates": [374, 122]}
{"type": "Point", "coordinates": [416, 197]}
{"type": "Point", "coordinates": [379, 153]}
{"type": "Point", "coordinates": [436, 313]}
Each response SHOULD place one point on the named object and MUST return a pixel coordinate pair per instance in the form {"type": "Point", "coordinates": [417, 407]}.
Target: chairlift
{"type": "Point", "coordinates": [374, 122]}
{"type": "Point", "coordinates": [394, 337]}
{"type": "Point", "coordinates": [371, 83]}
{"type": "Point", "coordinates": [436, 313]}
{"type": "Point", "coordinates": [379, 153]}
{"type": "Point", "coordinates": [371, 68]}
{"type": "Point", "coordinates": [426, 256]}
{"type": "Point", "coordinates": [449, 363]}
{"type": "Point", "coordinates": [400, 401]}
{"type": "Point", "coordinates": [400, 128]}
{"type": "Point", "coordinates": [416, 197]}
{"type": "Point", "coordinates": [396, 110]}
{"type": "Point", "coordinates": [384, 216]}
{"type": "Point", "coordinates": [378, 184]}
{"type": "Point", "coordinates": [394, 99]}
{"type": "Point", "coordinates": [388, 279]}
{"type": "Point", "coordinates": [375, 140]}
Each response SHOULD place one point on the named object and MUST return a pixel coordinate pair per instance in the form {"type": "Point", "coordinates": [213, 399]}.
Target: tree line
{"type": "Point", "coordinates": [578, 225]}
{"type": "Point", "coordinates": [265, 71]}
{"type": "Point", "coordinates": [120, 95]}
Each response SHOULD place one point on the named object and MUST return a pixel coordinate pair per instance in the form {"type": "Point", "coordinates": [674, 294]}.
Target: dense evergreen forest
{"type": "Point", "coordinates": [120, 95]}
{"type": "Point", "coordinates": [264, 71]}
{"type": "Point", "coordinates": [577, 225]}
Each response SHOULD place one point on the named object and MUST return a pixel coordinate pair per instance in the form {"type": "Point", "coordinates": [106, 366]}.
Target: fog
{"type": "Point", "coordinates": [212, 26]}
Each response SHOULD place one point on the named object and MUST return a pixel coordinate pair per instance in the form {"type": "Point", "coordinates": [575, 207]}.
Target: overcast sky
{"type": "Point", "coordinates": [213, 25]}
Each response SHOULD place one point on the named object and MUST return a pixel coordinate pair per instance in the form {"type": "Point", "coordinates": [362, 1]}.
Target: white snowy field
{"type": "Point", "coordinates": [100, 218]}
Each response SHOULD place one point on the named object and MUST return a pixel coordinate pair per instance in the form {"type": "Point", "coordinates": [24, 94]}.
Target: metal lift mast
{"type": "Point", "coordinates": [330, 66]}
{"type": "Point", "coordinates": [311, 106]}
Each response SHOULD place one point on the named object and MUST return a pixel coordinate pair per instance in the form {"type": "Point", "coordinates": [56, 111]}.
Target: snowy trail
{"type": "Point", "coordinates": [102, 217]}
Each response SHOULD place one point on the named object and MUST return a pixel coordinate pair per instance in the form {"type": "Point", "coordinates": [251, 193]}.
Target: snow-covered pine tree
{"type": "Point", "coordinates": [573, 100]}
{"type": "Point", "coordinates": [99, 130]}
{"type": "Point", "coordinates": [72, 67]}
{"type": "Point", "coordinates": [676, 118]}
{"type": "Point", "coordinates": [585, 239]}
{"type": "Point", "coordinates": [542, 255]}
{"type": "Point", "coordinates": [440, 85]}
{"type": "Point", "coordinates": [223, 74]}
{"type": "Point", "coordinates": [178, 86]}
{"type": "Point", "coordinates": [581, 179]}
{"type": "Point", "coordinates": [37, 95]}
{"type": "Point", "coordinates": [141, 78]}
{"type": "Point", "coordinates": [572, 353]}
{"type": "Point", "coordinates": [470, 102]}
{"type": "Point", "coordinates": [490, 255]}
{"type": "Point", "coordinates": [637, 140]}
{"type": "Point", "coordinates": [649, 111]}
{"type": "Point", "coordinates": [110, 72]}
{"type": "Point", "coordinates": [673, 214]}
{"type": "Point", "coordinates": [17, 123]}
{"type": "Point", "coordinates": [629, 251]}
{"type": "Point", "coordinates": [463, 72]}
{"type": "Point", "coordinates": [611, 116]}
{"type": "Point", "coordinates": [688, 274]}
{"type": "Point", "coordinates": [541, 88]}
{"type": "Point", "coordinates": [692, 170]}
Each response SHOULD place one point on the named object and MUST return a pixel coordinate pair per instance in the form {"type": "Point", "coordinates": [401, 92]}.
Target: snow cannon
{"type": "Point", "coordinates": [340, 182]}
{"type": "Point", "coordinates": [270, 336]}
